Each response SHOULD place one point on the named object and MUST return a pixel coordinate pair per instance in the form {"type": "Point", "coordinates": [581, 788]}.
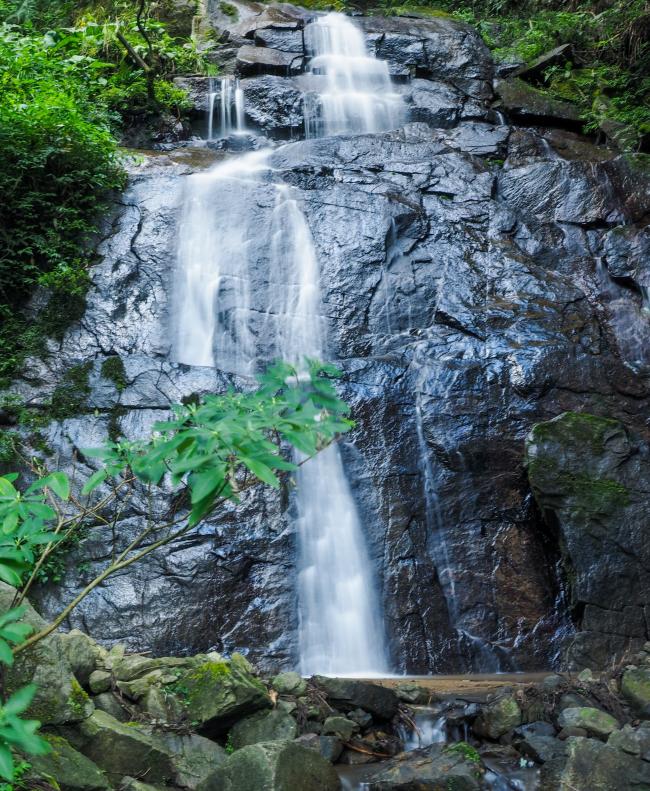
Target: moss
{"type": "Point", "coordinates": [114, 426]}
{"type": "Point", "coordinates": [229, 9]}
{"type": "Point", "coordinates": [78, 699]}
{"type": "Point", "coordinates": [582, 427]}
{"type": "Point", "coordinates": [8, 440]}
{"type": "Point", "coordinates": [70, 397]}
{"type": "Point", "coordinates": [113, 370]}
{"type": "Point", "coordinates": [465, 750]}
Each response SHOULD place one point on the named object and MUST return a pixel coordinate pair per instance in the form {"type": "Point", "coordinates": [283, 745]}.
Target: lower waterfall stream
{"type": "Point", "coordinates": [233, 215]}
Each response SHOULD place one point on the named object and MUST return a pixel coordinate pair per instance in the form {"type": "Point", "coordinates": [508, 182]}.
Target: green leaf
{"type": "Point", "coordinates": [20, 700]}
{"type": "Point", "coordinates": [261, 471]}
{"type": "Point", "coordinates": [94, 481]}
{"type": "Point", "coordinates": [6, 654]}
{"type": "Point", "coordinates": [6, 763]}
{"type": "Point", "coordinates": [9, 576]}
{"type": "Point", "coordinates": [60, 485]}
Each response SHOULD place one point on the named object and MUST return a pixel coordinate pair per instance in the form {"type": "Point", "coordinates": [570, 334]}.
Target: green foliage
{"type": "Point", "coordinates": [229, 9]}
{"type": "Point", "coordinates": [214, 446]}
{"type": "Point", "coordinates": [70, 396]}
{"type": "Point", "coordinates": [465, 750]}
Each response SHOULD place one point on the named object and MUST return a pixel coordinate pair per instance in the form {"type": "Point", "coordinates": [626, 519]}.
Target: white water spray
{"type": "Point", "coordinates": [231, 107]}
{"type": "Point", "coordinates": [352, 92]}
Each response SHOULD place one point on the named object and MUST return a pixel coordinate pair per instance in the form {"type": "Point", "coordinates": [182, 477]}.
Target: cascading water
{"type": "Point", "coordinates": [351, 92]}
{"type": "Point", "coordinates": [237, 223]}
{"type": "Point", "coordinates": [231, 107]}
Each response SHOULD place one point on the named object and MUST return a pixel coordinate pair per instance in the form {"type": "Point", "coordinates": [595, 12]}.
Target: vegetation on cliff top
{"type": "Point", "coordinates": [73, 81]}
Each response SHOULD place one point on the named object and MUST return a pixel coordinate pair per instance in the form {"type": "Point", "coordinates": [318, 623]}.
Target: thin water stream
{"type": "Point", "coordinates": [248, 290]}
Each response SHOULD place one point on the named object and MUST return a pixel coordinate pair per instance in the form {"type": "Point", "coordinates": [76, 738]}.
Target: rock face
{"type": "Point", "coordinates": [585, 472]}
{"type": "Point", "coordinates": [464, 274]}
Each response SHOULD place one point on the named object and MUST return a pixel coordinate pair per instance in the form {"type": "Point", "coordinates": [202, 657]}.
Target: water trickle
{"type": "Point", "coordinates": [231, 107]}
{"type": "Point", "coordinates": [351, 92]}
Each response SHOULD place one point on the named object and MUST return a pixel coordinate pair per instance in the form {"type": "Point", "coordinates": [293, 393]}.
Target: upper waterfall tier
{"type": "Point", "coordinates": [352, 91]}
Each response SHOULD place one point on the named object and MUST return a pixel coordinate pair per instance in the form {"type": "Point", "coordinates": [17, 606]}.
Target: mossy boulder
{"type": "Point", "coordinates": [591, 765]}
{"type": "Point", "coordinates": [290, 683]}
{"type": "Point", "coordinates": [635, 687]}
{"type": "Point", "coordinates": [59, 697]}
{"type": "Point", "coordinates": [265, 726]}
{"type": "Point", "coordinates": [83, 654]}
{"type": "Point", "coordinates": [586, 473]}
{"type": "Point", "coordinates": [195, 758]}
{"type": "Point", "coordinates": [217, 693]}
{"type": "Point", "coordinates": [123, 748]}
{"type": "Point", "coordinates": [129, 667]}
{"type": "Point", "coordinates": [594, 721]}
{"type": "Point", "coordinates": [71, 770]}
{"type": "Point", "coordinates": [274, 766]}
{"type": "Point", "coordinates": [498, 717]}
{"type": "Point", "coordinates": [456, 766]}
{"type": "Point", "coordinates": [522, 100]}
{"type": "Point", "coordinates": [341, 727]}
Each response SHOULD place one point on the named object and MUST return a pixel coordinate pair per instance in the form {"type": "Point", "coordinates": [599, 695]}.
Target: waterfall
{"type": "Point", "coordinates": [231, 107]}
{"type": "Point", "coordinates": [352, 92]}
{"type": "Point", "coordinates": [248, 290]}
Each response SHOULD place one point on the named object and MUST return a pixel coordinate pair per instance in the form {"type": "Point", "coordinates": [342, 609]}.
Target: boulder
{"type": "Point", "coordinates": [108, 703]}
{"type": "Point", "coordinates": [198, 91]}
{"type": "Point", "coordinates": [195, 758]}
{"type": "Point", "coordinates": [340, 727]}
{"type": "Point", "coordinates": [580, 467]}
{"type": "Point", "coordinates": [498, 717]}
{"type": "Point", "coordinates": [590, 765]}
{"type": "Point", "coordinates": [83, 654]}
{"type": "Point", "coordinates": [434, 103]}
{"type": "Point", "coordinates": [264, 60]}
{"type": "Point", "coordinates": [218, 693]}
{"type": "Point", "coordinates": [454, 766]}
{"type": "Point", "coordinates": [274, 766]}
{"type": "Point", "coordinates": [541, 748]}
{"type": "Point", "coordinates": [635, 688]}
{"type": "Point", "coordinates": [536, 68]}
{"type": "Point", "coordinates": [347, 694]}
{"type": "Point", "coordinates": [130, 667]}
{"type": "Point", "coordinates": [328, 746]}
{"type": "Point", "coordinates": [529, 104]}
{"type": "Point", "coordinates": [265, 726]}
{"type": "Point", "coordinates": [635, 741]}
{"type": "Point", "coordinates": [121, 748]}
{"type": "Point", "coordinates": [70, 768]}
{"type": "Point", "coordinates": [410, 692]}
{"type": "Point", "coordinates": [594, 721]}
{"type": "Point", "coordinates": [59, 697]}
{"type": "Point", "coordinates": [289, 684]}
{"type": "Point", "coordinates": [99, 681]}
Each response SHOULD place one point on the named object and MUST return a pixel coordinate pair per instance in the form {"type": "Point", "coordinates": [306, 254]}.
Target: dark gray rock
{"type": "Point", "coordinates": [347, 694]}
{"type": "Point", "coordinates": [580, 467]}
{"type": "Point", "coordinates": [264, 60]}
{"type": "Point", "coordinates": [274, 105]}
{"type": "Point", "coordinates": [438, 766]}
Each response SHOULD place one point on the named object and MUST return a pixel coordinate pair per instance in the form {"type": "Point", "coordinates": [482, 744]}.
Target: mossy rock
{"type": "Point", "coordinates": [274, 766]}
{"type": "Point", "coordinates": [265, 726]}
{"type": "Point", "coordinates": [83, 654]}
{"type": "Point", "coordinates": [290, 683]}
{"type": "Point", "coordinates": [497, 718]}
{"type": "Point", "coordinates": [71, 770]}
{"type": "Point", "coordinates": [59, 698]}
{"type": "Point", "coordinates": [594, 721]}
{"type": "Point", "coordinates": [218, 693]}
{"type": "Point", "coordinates": [635, 687]}
{"type": "Point", "coordinates": [591, 765]}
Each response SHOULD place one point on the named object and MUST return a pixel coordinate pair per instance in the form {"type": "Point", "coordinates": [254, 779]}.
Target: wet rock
{"type": "Point", "coordinates": [290, 683]}
{"type": "Point", "coordinates": [635, 687]}
{"type": "Point", "coordinates": [273, 104]}
{"type": "Point", "coordinates": [198, 90]}
{"type": "Point", "coordinates": [328, 746]}
{"type": "Point", "coordinates": [541, 748]}
{"type": "Point", "coordinates": [108, 703]}
{"type": "Point", "coordinates": [274, 766]}
{"type": "Point", "coordinates": [263, 727]}
{"type": "Point", "coordinates": [340, 727]}
{"type": "Point", "coordinates": [347, 694]}
{"type": "Point", "coordinates": [593, 721]}
{"type": "Point", "coordinates": [539, 728]}
{"type": "Point", "coordinates": [497, 718]}
{"type": "Point", "coordinates": [580, 467]}
{"type": "Point", "coordinates": [434, 103]}
{"type": "Point", "coordinates": [524, 102]}
{"type": "Point", "coordinates": [71, 770]}
{"type": "Point", "coordinates": [449, 766]}
{"type": "Point", "coordinates": [590, 765]}
{"type": "Point", "coordinates": [263, 60]}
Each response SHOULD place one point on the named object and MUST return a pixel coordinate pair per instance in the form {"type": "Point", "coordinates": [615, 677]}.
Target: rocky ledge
{"type": "Point", "coordinates": [133, 722]}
